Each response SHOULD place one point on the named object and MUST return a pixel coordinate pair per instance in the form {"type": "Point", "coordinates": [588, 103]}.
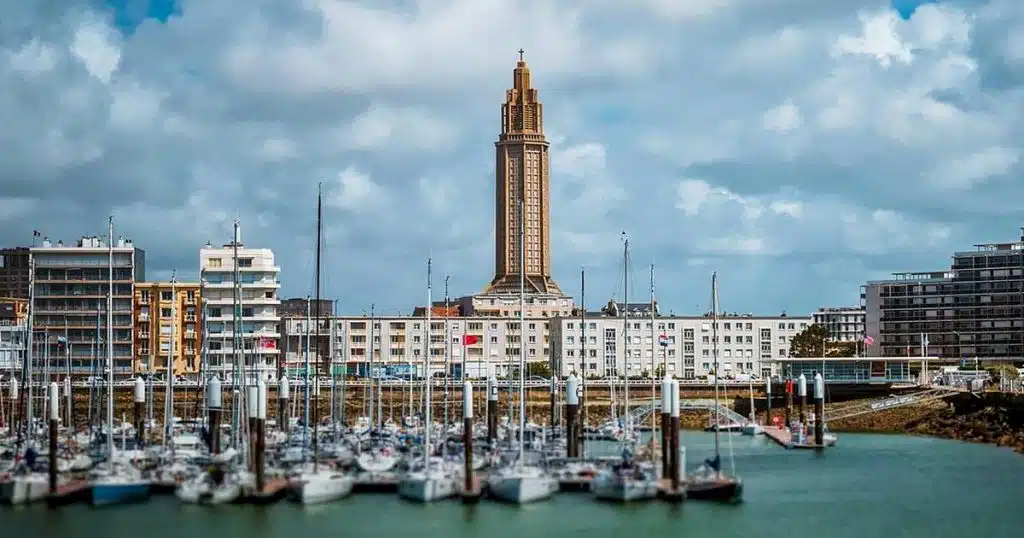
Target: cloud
{"type": "Point", "coordinates": [810, 145]}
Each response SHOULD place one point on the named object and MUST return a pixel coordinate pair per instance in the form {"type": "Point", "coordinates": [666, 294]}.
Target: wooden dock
{"type": "Point", "coordinates": [667, 493]}
{"type": "Point", "coordinates": [273, 490]}
{"type": "Point", "coordinates": [784, 438]}
{"type": "Point", "coordinates": [475, 491]}
{"type": "Point", "coordinates": [574, 485]}
{"type": "Point", "coordinates": [781, 436]}
{"type": "Point", "coordinates": [69, 493]}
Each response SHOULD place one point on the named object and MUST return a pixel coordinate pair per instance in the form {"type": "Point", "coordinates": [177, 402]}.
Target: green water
{"type": "Point", "coordinates": [869, 486]}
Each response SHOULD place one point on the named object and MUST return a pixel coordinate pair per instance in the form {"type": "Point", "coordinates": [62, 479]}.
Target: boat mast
{"type": "Point", "coordinates": [370, 396]}
{"type": "Point", "coordinates": [28, 370]}
{"type": "Point", "coordinates": [309, 386]}
{"type": "Point", "coordinates": [583, 348]}
{"type": "Point", "coordinates": [427, 393]}
{"type": "Point", "coordinates": [714, 353]}
{"type": "Point", "coordinates": [447, 350]}
{"type": "Point", "coordinates": [110, 340]}
{"type": "Point", "coordinates": [654, 348]}
{"type": "Point", "coordinates": [625, 331]}
{"type": "Point", "coordinates": [522, 328]}
{"type": "Point", "coordinates": [169, 383]}
{"type": "Point", "coordinates": [238, 372]}
{"type": "Point", "coordinates": [316, 307]}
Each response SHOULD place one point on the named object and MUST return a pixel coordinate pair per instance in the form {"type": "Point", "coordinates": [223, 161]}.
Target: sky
{"type": "Point", "coordinates": [797, 147]}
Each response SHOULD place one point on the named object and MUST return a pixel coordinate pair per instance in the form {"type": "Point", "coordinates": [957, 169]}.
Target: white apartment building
{"type": "Point", "coordinates": [746, 344]}
{"type": "Point", "coordinates": [399, 345]}
{"type": "Point", "coordinates": [259, 282]}
{"type": "Point", "coordinates": [844, 323]}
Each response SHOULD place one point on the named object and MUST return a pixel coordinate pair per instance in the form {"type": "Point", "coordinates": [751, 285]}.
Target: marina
{"type": "Point", "coordinates": [777, 490]}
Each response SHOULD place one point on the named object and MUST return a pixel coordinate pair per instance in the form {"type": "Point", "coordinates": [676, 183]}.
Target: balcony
{"type": "Point", "coordinates": [143, 334]}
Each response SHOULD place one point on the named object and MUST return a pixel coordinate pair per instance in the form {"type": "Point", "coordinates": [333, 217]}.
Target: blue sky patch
{"type": "Point", "coordinates": [129, 14]}
{"type": "Point", "coordinates": [906, 8]}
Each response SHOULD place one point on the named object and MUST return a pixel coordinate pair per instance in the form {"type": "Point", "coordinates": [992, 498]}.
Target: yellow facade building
{"type": "Point", "coordinates": [163, 309]}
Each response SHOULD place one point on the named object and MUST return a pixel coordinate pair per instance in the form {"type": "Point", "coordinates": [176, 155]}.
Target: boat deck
{"type": "Point", "coordinates": [69, 493]}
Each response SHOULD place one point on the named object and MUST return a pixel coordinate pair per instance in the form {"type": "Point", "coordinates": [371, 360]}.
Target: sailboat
{"type": "Point", "coordinates": [627, 480]}
{"type": "Point", "coordinates": [432, 480]}
{"type": "Point", "coordinates": [518, 482]}
{"type": "Point", "coordinates": [752, 427]}
{"type": "Point", "coordinates": [117, 481]}
{"type": "Point", "coordinates": [709, 482]}
{"type": "Point", "coordinates": [319, 485]}
{"type": "Point", "coordinates": [222, 484]}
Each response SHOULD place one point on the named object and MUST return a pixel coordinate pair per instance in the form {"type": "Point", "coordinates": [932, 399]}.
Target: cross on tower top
{"type": "Point", "coordinates": [521, 52]}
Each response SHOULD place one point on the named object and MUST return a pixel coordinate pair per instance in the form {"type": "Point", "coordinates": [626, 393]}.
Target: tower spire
{"type": "Point", "coordinates": [522, 178]}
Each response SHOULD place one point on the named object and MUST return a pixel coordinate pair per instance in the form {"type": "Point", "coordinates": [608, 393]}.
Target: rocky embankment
{"type": "Point", "coordinates": [992, 418]}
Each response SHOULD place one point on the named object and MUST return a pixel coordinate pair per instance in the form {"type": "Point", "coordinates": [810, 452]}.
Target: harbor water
{"type": "Point", "coordinates": [868, 486]}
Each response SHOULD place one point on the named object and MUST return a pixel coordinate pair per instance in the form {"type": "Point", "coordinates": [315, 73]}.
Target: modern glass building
{"type": "Point", "coordinates": [848, 370]}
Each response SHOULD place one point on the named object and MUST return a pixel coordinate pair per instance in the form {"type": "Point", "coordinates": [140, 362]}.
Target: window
{"type": "Point", "coordinates": [247, 312]}
{"type": "Point", "coordinates": [245, 262]}
{"type": "Point", "coordinates": [213, 263]}
{"type": "Point", "coordinates": [190, 295]}
{"type": "Point", "coordinates": [727, 326]}
{"type": "Point", "coordinates": [215, 313]}
{"type": "Point", "coordinates": [165, 312]}
{"type": "Point", "coordinates": [145, 296]}
{"type": "Point", "coordinates": [165, 296]}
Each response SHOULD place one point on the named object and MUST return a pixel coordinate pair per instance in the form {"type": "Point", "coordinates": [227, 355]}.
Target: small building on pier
{"type": "Point", "coordinates": [851, 370]}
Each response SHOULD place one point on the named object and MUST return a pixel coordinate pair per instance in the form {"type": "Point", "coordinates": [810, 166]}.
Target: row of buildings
{"type": "Point", "coordinates": [192, 325]}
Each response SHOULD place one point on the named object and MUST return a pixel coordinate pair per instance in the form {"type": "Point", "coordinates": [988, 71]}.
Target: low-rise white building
{"type": "Point", "coordinates": [596, 344]}
{"type": "Point", "coordinates": [486, 345]}
{"type": "Point", "coordinates": [258, 284]}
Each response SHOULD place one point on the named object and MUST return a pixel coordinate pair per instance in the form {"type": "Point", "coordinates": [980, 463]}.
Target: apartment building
{"type": "Point", "coordinates": [14, 273]}
{"type": "Point", "coordinates": [168, 325]}
{"type": "Point", "coordinates": [397, 345]}
{"type": "Point", "coordinates": [974, 309]}
{"type": "Point", "coordinates": [844, 323]}
{"type": "Point", "coordinates": [12, 347]}
{"type": "Point", "coordinates": [241, 301]}
{"type": "Point", "coordinates": [607, 343]}
{"type": "Point", "coordinates": [69, 310]}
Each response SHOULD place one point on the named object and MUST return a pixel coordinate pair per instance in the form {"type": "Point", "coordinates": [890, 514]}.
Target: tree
{"type": "Point", "coordinates": [539, 369]}
{"type": "Point", "coordinates": [809, 342]}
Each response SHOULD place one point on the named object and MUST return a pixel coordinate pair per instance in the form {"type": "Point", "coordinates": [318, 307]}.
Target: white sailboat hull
{"type": "Point", "coordinates": [426, 488]}
{"type": "Point", "coordinates": [611, 487]}
{"type": "Point", "coordinates": [27, 489]}
{"type": "Point", "coordinates": [522, 488]}
{"type": "Point", "coordinates": [207, 494]}
{"type": "Point", "coordinates": [376, 462]}
{"type": "Point", "coordinates": [322, 488]}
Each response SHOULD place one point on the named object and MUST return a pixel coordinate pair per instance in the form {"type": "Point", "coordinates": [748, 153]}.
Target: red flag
{"type": "Point", "coordinates": [470, 339]}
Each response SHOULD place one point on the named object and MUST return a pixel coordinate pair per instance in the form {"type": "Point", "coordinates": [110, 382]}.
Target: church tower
{"type": "Point", "coordinates": [522, 192]}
